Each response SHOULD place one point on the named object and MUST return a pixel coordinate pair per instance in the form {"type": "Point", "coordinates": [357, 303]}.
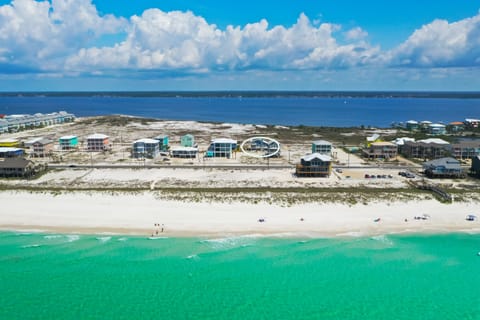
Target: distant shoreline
{"type": "Point", "coordinates": [250, 94]}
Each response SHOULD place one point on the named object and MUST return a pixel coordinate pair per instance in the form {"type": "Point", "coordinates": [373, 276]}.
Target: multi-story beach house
{"type": "Point", "coordinates": [443, 168]}
{"type": "Point", "coordinates": [187, 140]}
{"type": "Point", "coordinates": [436, 129]}
{"type": "Point", "coordinates": [433, 148]}
{"type": "Point", "coordinates": [9, 152]}
{"type": "Point", "coordinates": [68, 142]}
{"type": "Point", "coordinates": [314, 165]}
{"type": "Point", "coordinates": [472, 123]}
{"type": "Point", "coordinates": [184, 152]}
{"type": "Point", "coordinates": [222, 147]}
{"type": "Point", "coordinates": [18, 167]}
{"type": "Point", "coordinates": [42, 147]}
{"type": "Point", "coordinates": [162, 142]}
{"type": "Point", "coordinates": [322, 147]}
{"type": "Point", "coordinates": [381, 150]}
{"type": "Point", "coordinates": [145, 148]}
{"type": "Point", "coordinates": [98, 142]}
{"type": "Point", "coordinates": [465, 149]}
{"type": "Point", "coordinates": [268, 146]}
{"type": "Point", "coordinates": [28, 121]}
{"type": "Point", "coordinates": [411, 125]}
{"type": "Point", "coordinates": [455, 126]}
{"type": "Point", "coordinates": [423, 125]}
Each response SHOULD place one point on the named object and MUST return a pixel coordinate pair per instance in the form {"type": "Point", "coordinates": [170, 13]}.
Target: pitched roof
{"type": "Point", "coordinates": [322, 157]}
{"type": "Point", "coordinates": [448, 163]}
{"type": "Point", "coordinates": [14, 163]}
{"type": "Point", "coordinates": [43, 141]}
{"type": "Point", "coordinates": [146, 140]}
{"type": "Point", "coordinates": [373, 137]}
{"type": "Point", "coordinates": [433, 140]}
{"type": "Point", "coordinates": [436, 125]}
{"type": "Point", "coordinates": [67, 137]}
{"type": "Point", "coordinates": [224, 140]}
{"type": "Point", "coordinates": [10, 149]}
{"type": "Point", "coordinates": [97, 136]}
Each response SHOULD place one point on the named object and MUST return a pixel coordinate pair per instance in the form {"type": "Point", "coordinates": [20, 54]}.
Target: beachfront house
{"type": "Point", "coordinates": [436, 129]}
{"type": "Point", "coordinates": [18, 167]}
{"type": "Point", "coordinates": [443, 168]}
{"type": "Point", "coordinates": [475, 168]}
{"type": "Point", "coordinates": [466, 149]}
{"type": "Point", "coordinates": [221, 148]}
{"type": "Point", "coordinates": [412, 125]}
{"type": "Point", "coordinates": [432, 148]}
{"type": "Point", "coordinates": [314, 165]}
{"type": "Point", "coordinates": [455, 126]}
{"type": "Point", "coordinates": [162, 142]}
{"type": "Point", "coordinates": [266, 145]}
{"type": "Point", "coordinates": [187, 140]}
{"type": "Point", "coordinates": [8, 152]}
{"type": "Point", "coordinates": [401, 142]}
{"type": "Point", "coordinates": [98, 142]}
{"type": "Point", "coordinates": [184, 152]}
{"type": "Point", "coordinates": [381, 150]}
{"type": "Point", "coordinates": [472, 123]}
{"type": "Point", "coordinates": [68, 142]}
{"type": "Point", "coordinates": [29, 121]}
{"type": "Point", "coordinates": [423, 125]}
{"type": "Point", "coordinates": [42, 147]}
{"type": "Point", "coordinates": [322, 147]}
{"type": "Point", "coordinates": [145, 148]}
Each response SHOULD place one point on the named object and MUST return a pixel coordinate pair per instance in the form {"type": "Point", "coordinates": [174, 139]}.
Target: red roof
{"type": "Point", "coordinates": [456, 123]}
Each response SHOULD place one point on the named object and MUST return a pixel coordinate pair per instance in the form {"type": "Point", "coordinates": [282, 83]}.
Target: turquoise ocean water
{"type": "Point", "coordinates": [48, 276]}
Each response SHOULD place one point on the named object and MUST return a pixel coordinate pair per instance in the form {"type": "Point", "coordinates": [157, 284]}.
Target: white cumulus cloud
{"type": "Point", "coordinates": [39, 34]}
{"type": "Point", "coordinates": [67, 37]}
{"type": "Point", "coordinates": [177, 40]}
{"type": "Point", "coordinates": [441, 44]}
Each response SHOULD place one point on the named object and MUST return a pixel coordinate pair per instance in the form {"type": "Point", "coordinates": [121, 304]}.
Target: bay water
{"type": "Point", "coordinates": [343, 111]}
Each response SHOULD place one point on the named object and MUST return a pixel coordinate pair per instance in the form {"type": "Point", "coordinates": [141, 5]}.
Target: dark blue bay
{"type": "Point", "coordinates": [312, 111]}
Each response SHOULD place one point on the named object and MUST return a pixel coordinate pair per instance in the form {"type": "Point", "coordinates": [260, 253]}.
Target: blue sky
{"type": "Point", "coordinates": [239, 45]}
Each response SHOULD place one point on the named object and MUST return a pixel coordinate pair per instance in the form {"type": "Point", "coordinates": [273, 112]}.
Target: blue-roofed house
{"type": "Point", "coordinates": [443, 168]}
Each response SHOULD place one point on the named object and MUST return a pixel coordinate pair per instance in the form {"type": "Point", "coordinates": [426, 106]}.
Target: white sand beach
{"type": "Point", "coordinates": [103, 212]}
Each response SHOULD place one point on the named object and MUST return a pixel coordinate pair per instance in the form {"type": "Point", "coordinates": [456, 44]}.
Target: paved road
{"type": "Point", "coordinates": [229, 167]}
